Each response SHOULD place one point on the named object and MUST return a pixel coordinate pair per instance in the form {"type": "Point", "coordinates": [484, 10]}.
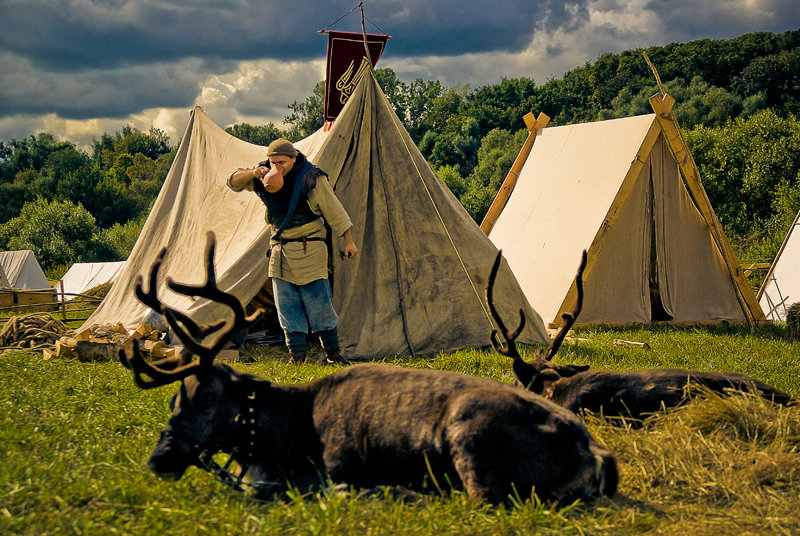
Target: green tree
{"type": "Point", "coordinates": [307, 117]}
{"type": "Point", "coordinates": [130, 140]}
{"type": "Point", "coordinates": [498, 150]}
{"type": "Point", "coordinates": [750, 170]}
{"type": "Point", "coordinates": [698, 103]}
{"type": "Point", "coordinates": [58, 232]}
{"type": "Point", "coordinates": [257, 135]}
{"type": "Point", "coordinates": [121, 237]}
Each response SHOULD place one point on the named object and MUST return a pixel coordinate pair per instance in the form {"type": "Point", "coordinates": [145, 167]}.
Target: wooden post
{"type": "Point", "coordinates": [747, 298]}
{"type": "Point", "coordinates": [63, 302]}
{"type": "Point", "coordinates": [510, 181]}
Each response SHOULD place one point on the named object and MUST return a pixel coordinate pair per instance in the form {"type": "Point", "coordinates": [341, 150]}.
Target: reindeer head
{"type": "Point", "coordinates": [205, 409]}
{"type": "Point", "coordinates": [539, 374]}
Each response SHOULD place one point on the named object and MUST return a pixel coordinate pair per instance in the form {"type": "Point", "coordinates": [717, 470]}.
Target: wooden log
{"type": "Point", "coordinates": [65, 346]}
{"type": "Point", "coordinates": [154, 348]}
{"type": "Point", "coordinates": [68, 341]}
{"type": "Point", "coordinates": [83, 335]}
{"type": "Point", "coordinates": [142, 331]}
{"type": "Point", "coordinates": [119, 328]}
{"type": "Point", "coordinates": [91, 351]}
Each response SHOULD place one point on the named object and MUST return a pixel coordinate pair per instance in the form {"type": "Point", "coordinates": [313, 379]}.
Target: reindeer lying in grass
{"type": "Point", "coordinates": [628, 394]}
{"type": "Point", "coordinates": [364, 425]}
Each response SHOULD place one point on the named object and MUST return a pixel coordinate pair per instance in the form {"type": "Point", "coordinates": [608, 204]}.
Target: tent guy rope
{"type": "Point", "coordinates": [438, 214]}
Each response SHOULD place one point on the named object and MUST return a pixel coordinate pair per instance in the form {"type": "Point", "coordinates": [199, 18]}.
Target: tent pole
{"type": "Point", "coordinates": [510, 181]}
{"type": "Point", "coordinates": [364, 33]}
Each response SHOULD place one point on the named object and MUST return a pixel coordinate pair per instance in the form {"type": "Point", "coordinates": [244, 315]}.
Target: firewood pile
{"type": "Point", "coordinates": [40, 332]}
{"type": "Point", "coordinates": [102, 342]}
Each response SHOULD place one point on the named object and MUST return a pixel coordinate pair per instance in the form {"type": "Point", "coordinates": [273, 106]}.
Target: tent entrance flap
{"type": "Point", "coordinates": [659, 312]}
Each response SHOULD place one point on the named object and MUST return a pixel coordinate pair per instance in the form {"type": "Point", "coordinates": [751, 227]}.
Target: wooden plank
{"type": "Point", "coordinates": [691, 175]}
{"type": "Point", "coordinates": [752, 267]}
{"type": "Point", "coordinates": [33, 300]}
{"type": "Point", "coordinates": [510, 181]}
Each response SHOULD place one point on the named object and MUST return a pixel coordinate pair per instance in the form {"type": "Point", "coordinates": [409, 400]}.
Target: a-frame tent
{"type": "Point", "coordinates": [22, 270]}
{"type": "Point", "coordinates": [83, 276]}
{"type": "Point", "coordinates": [628, 191]}
{"type": "Point", "coordinates": [418, 283]}
{"type": "Point", "coordinates": [781, 286]}
{"type": "Point", "coordinates": [4, 283]}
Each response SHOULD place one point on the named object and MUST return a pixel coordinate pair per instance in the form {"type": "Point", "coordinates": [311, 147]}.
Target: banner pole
{"type": "Point", "coordinates": [364, 33]}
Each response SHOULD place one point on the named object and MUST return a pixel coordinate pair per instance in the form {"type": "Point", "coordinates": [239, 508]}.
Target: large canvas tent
{"type": "Point", "coordinates": [22, 270]}
{"type": "Point", "coordinates": [83, 276]}
{"type": "Point", "coordinates": [618, 189]}
{"type": "Point", "coordinates": [781, 286]}
{"type": "Point", "coordinates": [417, 285]}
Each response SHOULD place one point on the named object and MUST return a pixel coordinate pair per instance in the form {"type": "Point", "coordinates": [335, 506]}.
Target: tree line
{"type": "Point", "coordinates": [737, 101]}
{"type": "Point", "coordinates": [71, 206]}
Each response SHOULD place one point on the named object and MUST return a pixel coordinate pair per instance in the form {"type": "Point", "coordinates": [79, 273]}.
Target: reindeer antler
{"type": "Point", "coordinates": [511, 347]}
{"type": "Point", "coordinates": [569, 318]}
{"type": "Point", "coordinates": [175, 369]}
{"type": "Point", "coordinates": [524, 371]}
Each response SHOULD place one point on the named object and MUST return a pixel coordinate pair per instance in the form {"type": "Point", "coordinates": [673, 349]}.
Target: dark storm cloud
{"type": "Point", "coordinates": [686, 20]}
{"type": "Point", "coordinates": [87, 58]}
{"type": "Point", "coordinates": [94, 93]}
{"type": "Point", "coordinates": [71, 35]}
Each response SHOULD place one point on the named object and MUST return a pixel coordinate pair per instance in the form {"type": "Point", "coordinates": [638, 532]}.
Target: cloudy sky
{"type": "Point", "coordinates": [78, 68]}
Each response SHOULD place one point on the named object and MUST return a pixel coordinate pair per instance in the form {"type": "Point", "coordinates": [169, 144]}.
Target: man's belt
{"type": "Point", "coordinates": [284, 241]}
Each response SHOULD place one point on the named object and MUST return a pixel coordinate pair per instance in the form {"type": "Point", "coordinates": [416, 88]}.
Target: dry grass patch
{"type": "Point", "coordinates": [718, 465]}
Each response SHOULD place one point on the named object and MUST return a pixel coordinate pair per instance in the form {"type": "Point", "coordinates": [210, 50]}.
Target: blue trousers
{"type": "Point", "coordinates": [304, 309]}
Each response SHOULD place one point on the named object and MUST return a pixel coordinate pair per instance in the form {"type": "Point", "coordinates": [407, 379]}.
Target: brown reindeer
{"type": "Point", "coordinates": [365, 425]}
{"type": "Point", "coordinates": [612, 393]}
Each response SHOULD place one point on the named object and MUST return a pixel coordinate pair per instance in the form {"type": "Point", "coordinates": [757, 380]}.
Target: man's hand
{"type": "Point", "coordinates": [350, 249]}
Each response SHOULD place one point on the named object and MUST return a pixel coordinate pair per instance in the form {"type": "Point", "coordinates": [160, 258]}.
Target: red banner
{"type": "Point", "coordinates": [347, 63]}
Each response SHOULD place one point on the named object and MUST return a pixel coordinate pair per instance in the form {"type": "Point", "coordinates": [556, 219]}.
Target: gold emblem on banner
{"type": "Point", "coordinates": [348, 82]}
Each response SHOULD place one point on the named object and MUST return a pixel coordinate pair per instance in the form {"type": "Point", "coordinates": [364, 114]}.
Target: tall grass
{"type": "Point", "coordinates": [75, 438]}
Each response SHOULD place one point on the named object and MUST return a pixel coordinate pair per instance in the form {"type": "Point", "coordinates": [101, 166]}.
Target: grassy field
{"type": "Point", "coordinates": [75, 438]}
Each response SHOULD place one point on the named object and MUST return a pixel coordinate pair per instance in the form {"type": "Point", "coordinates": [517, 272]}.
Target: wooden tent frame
{"type": "Point", "coordinates": [667, 124]}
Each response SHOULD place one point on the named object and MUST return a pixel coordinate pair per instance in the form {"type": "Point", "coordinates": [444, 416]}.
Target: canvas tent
{"type": "Point", "coordinates": [781, 286]}
{"type": "Point", "coordinates": [22, 270]}
{"type": "Point", "coordinates": [83, 276]}
{"type": "Point", "coordinates": [417, 285]}
{"type": "Point", "coordinates": [618, 189]}
{"type": "Point", "coordinates": [4, 283]}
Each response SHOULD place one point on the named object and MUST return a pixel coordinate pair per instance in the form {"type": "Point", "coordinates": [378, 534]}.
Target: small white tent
{"type": "Point", "coordinates": [781, 287]}
{"type": "Point", "coordinates": [618, 189]}
{"type": "Point", "coordinates": [23, 270]}
{"type": "Point", "coordinates": [3, 279]}
{"type": "Point", "coordinates": [83, 276]}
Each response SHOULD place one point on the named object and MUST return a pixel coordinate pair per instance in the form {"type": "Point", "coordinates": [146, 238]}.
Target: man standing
{"type": "Point", "coordinates": [298, 196]}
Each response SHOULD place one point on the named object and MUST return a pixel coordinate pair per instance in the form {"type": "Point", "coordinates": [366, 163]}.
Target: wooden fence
{"type": "Point", "coordinates": [52, 300]}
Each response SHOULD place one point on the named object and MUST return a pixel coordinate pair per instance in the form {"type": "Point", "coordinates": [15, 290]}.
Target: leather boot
{"type": "Point", "coordinates": [335, 358]}
{"type": "Point", "coordinates": [297, 358]}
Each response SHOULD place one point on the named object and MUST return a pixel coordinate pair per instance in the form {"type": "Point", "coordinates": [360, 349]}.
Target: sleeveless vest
{"type": "Point", "coordinates": [278, 202]}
